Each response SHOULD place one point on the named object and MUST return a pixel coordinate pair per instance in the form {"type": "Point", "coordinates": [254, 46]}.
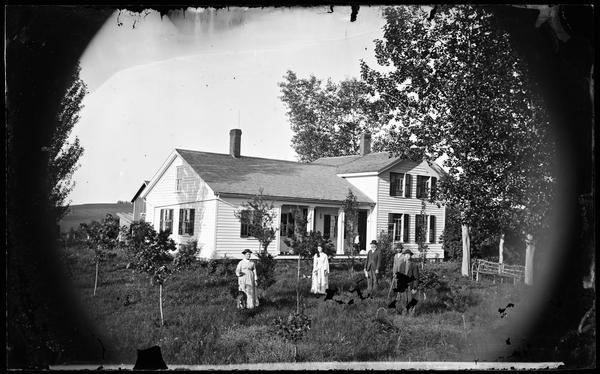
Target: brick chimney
{"type": "Point", "coordinates": [235, 137]}
{"type": "Point", "coordinates": [365, 143]}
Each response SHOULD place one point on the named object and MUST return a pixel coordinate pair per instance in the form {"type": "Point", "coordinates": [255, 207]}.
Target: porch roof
{"type": "Point", "coordinates": [245, 175]}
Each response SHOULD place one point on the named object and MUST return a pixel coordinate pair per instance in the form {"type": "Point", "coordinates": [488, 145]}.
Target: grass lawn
{"type": "Point", "coordinates": [458, 321]}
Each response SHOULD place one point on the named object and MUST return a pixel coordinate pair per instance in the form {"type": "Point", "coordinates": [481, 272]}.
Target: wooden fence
{"type": "Point", "coordinates": [516, 272]}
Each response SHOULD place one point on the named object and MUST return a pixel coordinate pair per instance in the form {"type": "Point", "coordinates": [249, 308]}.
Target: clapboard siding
{"type": "Point", "coordinates": [193, 188]}
{"type": "Point", "coordinates": [204, 228]}
{"type": "Point", "coordinates": [193, 193]}
{"type": "Point", "coordinates": [229, 242]}
{"type": "Point", "coordinates": [412, 206]}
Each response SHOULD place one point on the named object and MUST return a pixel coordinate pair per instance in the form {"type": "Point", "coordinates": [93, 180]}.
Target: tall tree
{"type": "Point", "coordinates": [63, 155]}
{"type": "Point", "coordinates": [456, 88]}
{"type": "Point", "coordinates": [327, 118]}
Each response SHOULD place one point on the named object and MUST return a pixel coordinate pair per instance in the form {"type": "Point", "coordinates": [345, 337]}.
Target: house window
{"type": "Point", "coordinates": [426, 187]}
{"type": "Point", "coordinates": [420, 228]}
{"type": "Point", "coordinates": [330, 226]}
{"type": "Point", "coordinates": [166, 220]}
{"type": "Point", "coordinates": [287, 224]}
{"type": "Point", "coordinates": [178, 182]}
{"type": "Point", "coordinates": [244, 227]}
{"type": "Point", "coordinates": [431, 229]}
{"type": "Point", "coordinates": [396, 184]}
{"type": "Point", "coordinates": [398, 225]}
{"type": "Point", "coordinates": [186, 221]}
{"type": "Point", "coordinates": [422, 186]}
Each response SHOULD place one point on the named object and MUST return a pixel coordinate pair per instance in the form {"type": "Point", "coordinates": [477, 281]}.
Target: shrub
{"type": "Point", "coordinates": [306, 244]}
{"type": "Point", "coordinates": [186, 255]}
{"type": "Point", "coordinates": [139, 234]}
{"type": "Point", "coordinates": [265, 270]}
{"type": "Point", "coordinates": [384, 244]}
{"type": "Point", "coordinates": [428, 280]}
{"type": "Point", "coordinates": [460, 301]}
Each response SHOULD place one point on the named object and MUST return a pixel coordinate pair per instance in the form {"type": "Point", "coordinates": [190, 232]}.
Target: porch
{"type": "Point", "coordinates": [329, 220]}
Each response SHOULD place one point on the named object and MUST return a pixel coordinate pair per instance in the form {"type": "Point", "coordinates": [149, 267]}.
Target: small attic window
{"type": "Point", "coordinates": [178, 181]}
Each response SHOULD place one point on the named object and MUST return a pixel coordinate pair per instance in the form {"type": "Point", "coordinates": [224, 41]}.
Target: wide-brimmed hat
{"type": "Point", "coordinates": [407, 252]}
{"type": "Point", "coordinates": [246, 251]}
{"type": "Point", "coordinates": [374, 242]}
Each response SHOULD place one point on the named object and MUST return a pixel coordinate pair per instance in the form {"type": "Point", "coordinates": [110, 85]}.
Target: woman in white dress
{"type": "Point", "coordinates": [320, 277]}
{"type": "Point", "coordinates": [246, 273]}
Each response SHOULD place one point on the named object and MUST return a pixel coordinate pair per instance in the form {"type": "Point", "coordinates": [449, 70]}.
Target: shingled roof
{"type": "Point", "coordinates": [371, 162]}
{"type": "Point", "coordinates": [278, 178]}
{"type": "Point", "coordinates": [335, 161]}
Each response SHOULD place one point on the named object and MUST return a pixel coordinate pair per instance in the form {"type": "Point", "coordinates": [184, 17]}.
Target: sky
{"type": "Point", "coordinates": [185, 80]}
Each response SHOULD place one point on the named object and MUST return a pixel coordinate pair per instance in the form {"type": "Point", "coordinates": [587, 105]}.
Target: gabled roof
{"type": "Point", "coordinates": [139, 191]}
{"type": "Point", "coordinates": [278, 178]}
{"type": "Point", "coordinates": [376, 162]}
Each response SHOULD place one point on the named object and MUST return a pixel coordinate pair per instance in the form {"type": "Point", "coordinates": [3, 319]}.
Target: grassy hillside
{"type": "Point", "coordinates": [91, 212]}
{"type": "Point", "coordinates": [458, 321]}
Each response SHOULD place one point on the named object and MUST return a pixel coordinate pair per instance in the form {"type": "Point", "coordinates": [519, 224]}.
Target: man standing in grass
{"type": "Point", "coordinates": [407, 281]}
{"type": "Point", "coordinates": [372, 268]}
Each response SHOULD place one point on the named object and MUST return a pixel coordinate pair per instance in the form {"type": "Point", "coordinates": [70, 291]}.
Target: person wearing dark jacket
{"type": "Point", "coordinates": [372, 268]}
{"type": "Point", "coordinates": [407, 281]}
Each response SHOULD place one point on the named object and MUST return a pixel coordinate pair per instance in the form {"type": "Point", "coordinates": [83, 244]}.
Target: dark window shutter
{"type": "Point", "coordinates": [408, 185]}
{"type": "Point", "coordinates": [406, 227]}
{"type": "Point", "coordinates": [180, 221]}
{"type": "Point", "coordinates": [390, 224]}
{"type": "Point", "coordinates": [162, 220]}
{"type": "Point", "coordinates": [433, 187]}
{"type": "Point", "coordinates": [191, 224]}
{"type": "Point", "coordinates": [432, 229]}
{"type": "Point", "coordinates": [418, 227]}
{"type": "Point", "coordinates": [392, 185]}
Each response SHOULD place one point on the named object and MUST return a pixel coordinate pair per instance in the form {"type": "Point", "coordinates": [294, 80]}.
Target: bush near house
{"type": "Point", "coordinates": [459, 320]}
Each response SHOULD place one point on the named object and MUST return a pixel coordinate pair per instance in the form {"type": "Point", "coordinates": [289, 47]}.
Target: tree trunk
{"type": "Point", "coordinates": [529, 253]}
{"type": "Point", "coordinates": [160, 304]}
{"type": "Point", "coordinates": [466, 252]}
{"type": "Point", "coordinates": [96, 281]}
{"type": "Point", "coordinates": [501, 249]}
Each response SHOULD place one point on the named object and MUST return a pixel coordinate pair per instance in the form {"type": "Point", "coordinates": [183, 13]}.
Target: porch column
{"type": "Point", "coordinates": [277, 225]}
{"type": "Point", "coordinates": [371, 229]}
{"type": "Point", "coordinates": [310, 219]}
{"type": "Point", "coordinates": [340, 232]}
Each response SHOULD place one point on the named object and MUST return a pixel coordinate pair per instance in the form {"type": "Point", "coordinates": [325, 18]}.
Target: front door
{"type": "Point", "coordinates": [362, 228]}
